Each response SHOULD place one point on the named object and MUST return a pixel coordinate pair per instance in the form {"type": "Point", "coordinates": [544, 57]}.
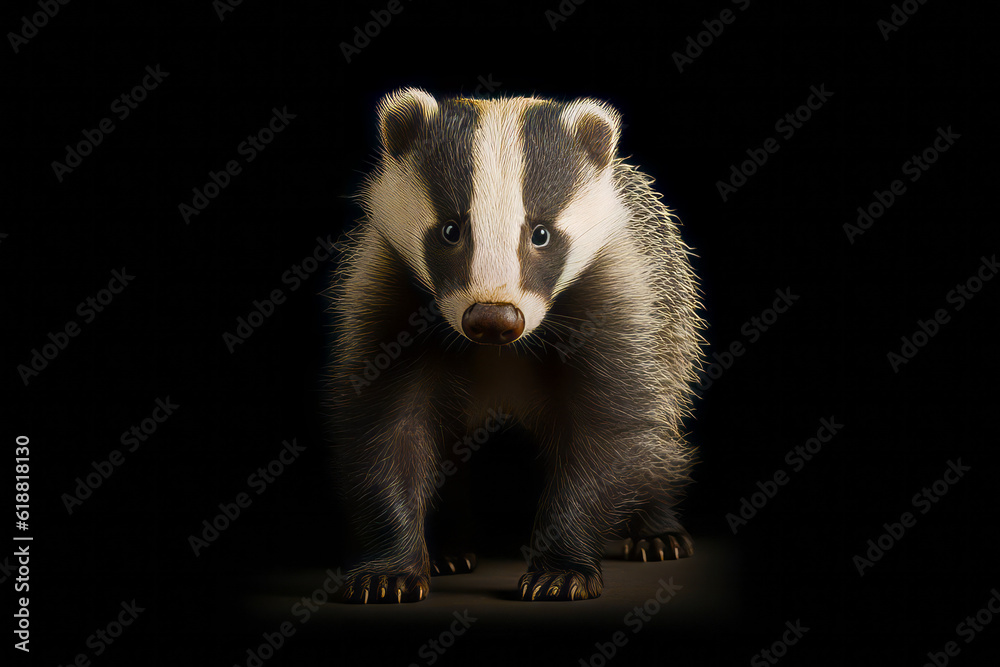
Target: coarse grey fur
{"type": "Point", "coordinates": [601, 378]}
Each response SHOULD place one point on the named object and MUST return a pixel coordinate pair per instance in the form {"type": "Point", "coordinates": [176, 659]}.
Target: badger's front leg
{"type": "Point", "coordinates": [589, 491]}
{"type": "Point", "coordinates": [388, 477]}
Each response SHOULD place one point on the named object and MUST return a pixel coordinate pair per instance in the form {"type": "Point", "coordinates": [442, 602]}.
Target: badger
{"type": "Point", "coordinates": [509, 263]}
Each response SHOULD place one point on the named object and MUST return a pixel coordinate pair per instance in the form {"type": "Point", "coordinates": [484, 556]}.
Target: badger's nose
{"type": "Point", "coordinates": [493, 323]}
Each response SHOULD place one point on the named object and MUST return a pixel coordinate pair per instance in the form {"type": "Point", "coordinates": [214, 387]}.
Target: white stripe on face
{"type": "Point", "coordinates": [498, 215]}
{"type": "Point", "coordinates": [497, 204]}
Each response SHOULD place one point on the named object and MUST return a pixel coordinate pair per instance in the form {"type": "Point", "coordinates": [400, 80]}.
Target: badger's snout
{"type": "Point", "coordinates": [493, 323]}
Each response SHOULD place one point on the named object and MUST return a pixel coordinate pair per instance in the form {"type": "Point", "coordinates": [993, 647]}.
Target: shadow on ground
{"type": "Point", "coordinates": [681, 598]}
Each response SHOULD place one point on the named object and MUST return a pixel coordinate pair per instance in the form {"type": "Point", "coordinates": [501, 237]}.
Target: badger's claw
{"type": "Point", "coordinates": [365, 586]}
{"type": "Point", "coordinates": [443, 565]}
{"type": "Point", "coordinates": [559, 585]}
{"type": "Point", "coordinates": [669, 546]}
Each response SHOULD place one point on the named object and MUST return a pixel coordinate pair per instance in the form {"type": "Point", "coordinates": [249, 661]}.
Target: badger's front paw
{"type": "Point", "coordinates": [367, 585]}
{"type": "Point", "coordinates": [559, 585]}
{"type": "Point", "coordinates": [669, 546]}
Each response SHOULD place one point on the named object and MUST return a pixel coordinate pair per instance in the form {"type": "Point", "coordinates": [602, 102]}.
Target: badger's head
{"type": "Point", "coordinates": [496, 205]}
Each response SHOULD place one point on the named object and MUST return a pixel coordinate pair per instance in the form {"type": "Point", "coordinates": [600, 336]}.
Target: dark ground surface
{"type": "Point", "coordinates": [825, 358]}
{"type": "Point", "coordinates": [706, 593]}
{"type": "Point", "coordinates": [702, 594]}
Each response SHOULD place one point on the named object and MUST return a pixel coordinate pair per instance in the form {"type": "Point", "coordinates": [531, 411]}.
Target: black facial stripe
{"type": "Point", "coordinates": [553, 163]}
{"type": "Point", "coordinates": [443, 155]}
{"type": "Point", "coordinates": [444, 159]}
{"type": "Point", "coordinates": [541, 267]}
{"type": "Point", "coordinates": [449, 265]}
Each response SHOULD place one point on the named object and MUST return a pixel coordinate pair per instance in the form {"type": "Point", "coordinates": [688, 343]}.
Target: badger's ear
{"type": "Point", "coordinates": [401, 117]}
{"type": "Point", "coordinates": [596, 126]}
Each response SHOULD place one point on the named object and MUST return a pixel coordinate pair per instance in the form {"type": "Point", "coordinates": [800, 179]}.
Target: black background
{"type": "Point", "coordinates": [783, 229]}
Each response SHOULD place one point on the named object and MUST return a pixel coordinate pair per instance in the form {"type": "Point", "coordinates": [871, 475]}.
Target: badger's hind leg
{"type": "Point", "coordinates": [666, 546]}
{"type": "Point", "coordinates": [450, 524]}
{"type": "Point", "coordinates": [655, 534]}
{"type": "Point", "coordinates": [445, 564]}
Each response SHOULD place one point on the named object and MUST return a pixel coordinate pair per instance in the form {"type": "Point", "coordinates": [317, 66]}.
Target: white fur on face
{"type": "Point", "coordinates": [399, 207]}
{"type": "Point", "coordinates": [498, 217]}
{"type": "Point", "coordinates": [394, 200]}
{"type": "Point", "coordinates": [593, 216]}
{"type": "Point", "coordinates": [497, 205]}
{"type": "Point", "coordinates": [596, 213]}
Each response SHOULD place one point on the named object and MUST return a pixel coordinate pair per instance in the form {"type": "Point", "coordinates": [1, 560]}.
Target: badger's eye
{"type": "Point", "coordinates": [540, 236]}
{"type": "Point", "coordinates": [451, 232]}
